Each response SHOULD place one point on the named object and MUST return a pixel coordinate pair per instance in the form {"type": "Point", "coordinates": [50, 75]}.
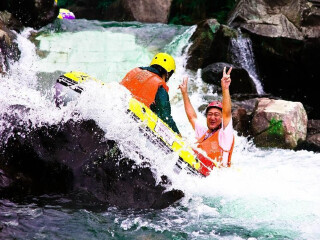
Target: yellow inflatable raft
{"type": "Point", "coordinates": [157, 130]}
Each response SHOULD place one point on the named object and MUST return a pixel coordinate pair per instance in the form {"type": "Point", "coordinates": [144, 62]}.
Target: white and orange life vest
{"type": "Point", "coordinates": [214, 152]}
{"type": "Point", "coordinates": [143, 85]}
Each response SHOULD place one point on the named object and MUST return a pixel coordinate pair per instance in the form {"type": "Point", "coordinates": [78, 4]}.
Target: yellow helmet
{"type": "Point", "coordinates": [164, 60]}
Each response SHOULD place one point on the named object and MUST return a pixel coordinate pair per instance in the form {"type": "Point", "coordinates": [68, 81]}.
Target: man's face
{"type": "Point", "coordinates": [214, 118]}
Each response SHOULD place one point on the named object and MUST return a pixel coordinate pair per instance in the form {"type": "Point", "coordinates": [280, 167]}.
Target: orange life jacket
{"type": "Point", "coordinates": [214, 152]}
{"type": "Point", "coordinates": [143, 85]}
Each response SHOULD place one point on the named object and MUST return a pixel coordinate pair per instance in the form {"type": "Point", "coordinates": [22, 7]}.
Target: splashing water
{"type": "Point", "coordinates": [267, 194]}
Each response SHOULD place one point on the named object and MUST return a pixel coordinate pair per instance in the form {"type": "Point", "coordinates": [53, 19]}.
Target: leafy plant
{"type": "Point", "coordinates": [103, 4]}
{"type": "Point", "coordinates": [65, 3]}
{"type": "Point", "coordinates": [192, 11]}
{"type": "Point", "coordinates": [181, 19]}
{"type": "Point", "coordinates": [275, 127]}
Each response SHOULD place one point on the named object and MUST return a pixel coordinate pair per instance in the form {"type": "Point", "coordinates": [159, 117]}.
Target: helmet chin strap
{"type": "Point", "coordinates": [216, 128]}
{"type": "Point", "coordinates": [168, 75]}
{"type": "Point", "coordinates": [212, 131]}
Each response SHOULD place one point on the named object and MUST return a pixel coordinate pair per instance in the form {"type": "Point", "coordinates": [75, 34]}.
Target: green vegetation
{"type": "Point", "coordinates": [65, 3]}
{"type": "Point", "coordinates": [101, 4]}
{"type": "Point", "coordinates": [275, 127]}
{"type": "Point", "coordinates": [188, 12]}
{"type": "Point", "coordinates": [181, 19]}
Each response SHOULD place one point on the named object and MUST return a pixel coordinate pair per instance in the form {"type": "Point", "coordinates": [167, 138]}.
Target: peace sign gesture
{"type": "Point", "coordinates": [226, 80]}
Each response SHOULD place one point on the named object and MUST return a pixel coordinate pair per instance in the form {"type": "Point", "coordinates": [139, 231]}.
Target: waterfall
{"type": "Point", "coordinates": [242, 54]}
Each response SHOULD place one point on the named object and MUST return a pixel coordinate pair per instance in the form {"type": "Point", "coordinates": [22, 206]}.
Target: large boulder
{"type": "Point", "coordinates": [242, 112]}
{"type": "Point", "coordinates": [312, 143]}
{"type": "Point", "coordinates": [32, 13]}
{"type": "Point", "coordinates": [269, 18]}
{"type": "Point", "coordinates": [241, 81]}
{"type": "Point", "coordinates": [88, 9]}
{"type": "Point", "coordinates": [122, 10]}
{"type": "Point", "coordinates": [74, 159]}
{"type": "Point", "coordinates": [9, 50]}
{"type": "Point", "coordinates": [139, 10]}
{"type": "Point", "coordinates": [286, 36]}
{"type": "Point", "coordinates": [279, 123]}
{"type": "Point", "coordinates": [10, 21]}
{"type": "Point", "coordinates": [241, 121]}
{"type": "Point", "coordinates": [210, 44]}
{"type": "Point", "coordinates": [294, 19]}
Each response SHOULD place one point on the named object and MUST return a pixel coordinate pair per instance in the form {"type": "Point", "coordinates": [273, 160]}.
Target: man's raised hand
{"type": "Point", "coordinates": [226, 80]}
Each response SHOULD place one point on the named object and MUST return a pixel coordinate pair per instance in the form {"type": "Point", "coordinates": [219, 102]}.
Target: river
{"type": "Point", "coordinates": [266, 194]}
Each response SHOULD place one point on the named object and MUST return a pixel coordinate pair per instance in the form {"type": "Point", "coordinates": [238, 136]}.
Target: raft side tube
{"type": "Point", "coordinates": [157, 131]}
{"type": "Point", "coordinates": [166, 134]}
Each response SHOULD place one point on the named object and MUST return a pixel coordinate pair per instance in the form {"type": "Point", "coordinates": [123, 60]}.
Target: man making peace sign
{"type": "Point", "coordinates": [217, 138]}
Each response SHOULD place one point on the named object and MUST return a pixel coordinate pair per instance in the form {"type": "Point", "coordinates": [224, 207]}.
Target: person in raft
{"type": "Point", "coordinates": [149, 86]}
{"type": "Point", "coordinates": [217, 139]}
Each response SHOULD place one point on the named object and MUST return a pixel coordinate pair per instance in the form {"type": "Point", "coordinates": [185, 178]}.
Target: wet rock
{"type": "Point", "coordinates": [210, 44]}
{"type": "Point", "coordinates": [278, 123]}
{"type": "Point", "coordinates": [266, 18]}
{"type": "Point", "coordinates": [241, 121]}
{"type": "Point", "coordinates": [292, 66]}
{"type": "Point", "coordinates": [312, 143]}
{"type": "Point", "coordinates": [241, 81]}
{"type": "Point", "coordinates": [190, 12]}
{"type": "Point", "coordinates": [285, 35]}
{"type": "Point", "coordinates": [32, 13]}
{"type": "Point", "coordinates": [248, 104]}
{"type": "Point", "coordinates": [89, 9]}
{"type": "Point", "coordinates": [285, 18]}
{"type": "Point", "coordinates": [9, 50]}
{"type": "Point", "coordinates": [313, 127]}
{"type": "Point", "coordinates": [242, 113]}
{"type": "Point", "coordinates": [149, 11]}
{"type": "Point", "coordinates": [4, 180]}
{"type": "Point", "coordinates": [10, 21]}
{"type": "Point", "coordinates": [75, 159]}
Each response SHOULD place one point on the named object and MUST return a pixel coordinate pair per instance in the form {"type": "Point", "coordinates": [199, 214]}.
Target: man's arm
{"type": "Point", "coordinates": [162, 108]}
{"type": "Point", "coordinates": [226, 99]}
{"type": "Point", "coordinates": [191, 114]}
